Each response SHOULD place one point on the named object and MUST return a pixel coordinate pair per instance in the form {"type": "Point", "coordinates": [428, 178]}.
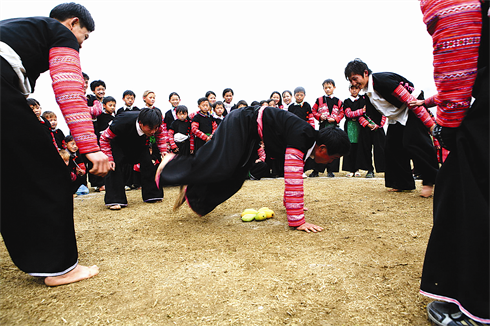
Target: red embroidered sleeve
{"type": "Point", "coordinates": [195, 130]}
{"type": "Point", "coordinates": [66, 73]}
{"type": "Point", "coordinates": [383, 121]}
{"type": "Point", "coordinates": [105, 143]}
{"type": "Point", "coordinates": [311, 119]}
{"type": "Point", "coordinates": [353, 114]}
{"type": "Point", "coordinates": [171, 140]}
{"type": "Point", "coordinates": [431, 101]}
{"type": "Point", "coordinates": [293, 186]}
{"type": "Point", "coordinates": [340, 112]}
{"type": "Point", "coordinates": [317, 115]}
{"type": "Point", "coordinates": [404, 96]}
{"type": "Point", "coordinates": [262, 155]}
{"type": "Point", "coordinates": [363, 121]}
{"type": "Point", "coordinates": [96, 109]}
{"type": "Point", "coordinates": [455, 52]}
{"type": "Point", "coordinates": [161, 138]}
{"type": "Point", "coordinates": [215, 126]}
{"type": "Point", "coordinates": [191, 140]}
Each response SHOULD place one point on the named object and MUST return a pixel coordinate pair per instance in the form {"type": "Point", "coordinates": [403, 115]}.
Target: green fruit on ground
{"type": "Point", "coordinates": [261, 216]}
{"type": "Point", "coordinates": [248, 217]}
{"type": "Point", "coordinates": [249, 211]}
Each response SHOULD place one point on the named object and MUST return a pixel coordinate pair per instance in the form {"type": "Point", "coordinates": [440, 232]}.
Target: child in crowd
{"type": "Point", "coordinates": [211, 96]}
{"type": "Point", "coordinates": [371, 135]}
{"type": "Point", "coordinates": [203, 126]}
{"type": "Point", "coordinates": [36, 108]}
{"type": "Point", "coordinates": [287, 98]}
{"type": "Point", "coordinates": [301, 108]}
{"type": "Point", "coordinates": [59, 136]}
{"type": "Point", "coordinates": [228, 98]}
{"type": "Point", "coordinates": [76, 173]}
{"type": "Point", "coordinates": [241, 104]}
{"type": "Point", "coordinates": [271, 102]}
{"type": "Point", "coordinates": [76, 164]}
{"type": "Point", "coordinates": [180, 137]}
{"type": "Point", "coordinates": [218, 110]}
{"type": "Point", "coordinates": [328, 110]}
{"type": "Point", "coordinates": [101, 124]}
{"type": "Point", "coordinates": [276, 96]}
{"type": "Point", "coordinates": [171, 115]}
{"type": "Point", "coordinates": [128, 99]}
{"type": "Point", "coordinates": [353, 109]}
{"type": "Point", "coordinates": [86, 78]}
{"type": "Point", "coordinates": [98, 88]}
{"type": "Point", "coordinates": [149, 99]}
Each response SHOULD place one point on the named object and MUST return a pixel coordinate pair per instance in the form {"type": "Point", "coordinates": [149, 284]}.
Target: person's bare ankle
{"type": "Point", "coordinates": [426, 191]}
{"type": "Point", "coordinates": [79, 273]}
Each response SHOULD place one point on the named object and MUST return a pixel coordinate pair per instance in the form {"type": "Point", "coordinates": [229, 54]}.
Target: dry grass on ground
{"type": "Point", "coordinates": [165, 268]}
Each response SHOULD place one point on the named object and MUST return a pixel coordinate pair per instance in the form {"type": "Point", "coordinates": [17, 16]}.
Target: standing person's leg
{"type": "Point", "coordinates": [461, 227]}
{"type": "Point", "coordinates": [419, 145]}
{"type": "Point", "coordinates": [39, 236]}
{"type": "Point", "coordinates": [149, 190]}
{"type": "Point", "coordinates": [115, 195]}
{"type": "Point", "coordinates": [379, 150]}
{"type": "Point", "coordinates": [398, 174]}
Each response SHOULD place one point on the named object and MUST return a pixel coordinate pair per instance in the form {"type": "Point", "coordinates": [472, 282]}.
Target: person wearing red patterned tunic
{"type": "Point", "coordinates": [37, 221]}
{"type": "Point", "coordinates": [456, 268]}
{"type": "Point", "coordinates": [217, 171]}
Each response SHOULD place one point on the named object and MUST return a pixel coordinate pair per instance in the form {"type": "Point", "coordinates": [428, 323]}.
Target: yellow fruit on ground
{"type": "Point", "coordinates": [269, 213]}
{"type": "Point", "coordinates": [248, 217]}
{"type": "Point", "coordinates": [249, 211]}
{"type": "Point", "coordinates": [261, 216]}
{"type": "Point", "coordinates": [264, 209]}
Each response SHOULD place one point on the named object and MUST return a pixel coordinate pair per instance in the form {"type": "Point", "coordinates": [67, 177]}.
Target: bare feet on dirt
{"type": "Point", "coordinates": [77, 274]}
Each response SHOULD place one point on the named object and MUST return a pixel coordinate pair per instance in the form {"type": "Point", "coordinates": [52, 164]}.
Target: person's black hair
{"type": "Point", "coordinates": [263, 101]}
{"type": "Point", "coordinates": [356, 67]}
{"type": "Point", "coordinates": [271, 100]}
{"type": "Point", "coordinates": [31, 101]}
{"type": "Point", "coordinates": [150, 117]}
{"type": "Point", "coordinates": [129, 92]}
{"type": "Point", "coordinates": [287, 91]}
{"type": "Point", "coordinates": [218, 103]}
{"type": "Point", "coordinates": [68, 10]}
{"type": "Point", "coordinates": [108, 99]}
{"type": "Point", "coordinates": [85, 76]}
{"type": "Point", "coordinates": [68, 139]}
{"type": "Point", "coordinates": [241, 102]}
{"type": "Point", "coordinates": [280, 97]}
{"type": "Point", "coordinates": [172, 94]}
{"type": "Point", "coordinates": [328, 81]}
{"type": "Point", "coordinates": [254, 103]}
{"type": "Point", "coordinates": [181, 109]}
{"type": "Point", "coordinates": [335, 139]}
{"type": "Point", "coordinates": [202, 99]}
{"type": "Point", "coordinates": [226, 90]}
{"type": "Point", "coordinates": [95, 84]}
{"type": "Point", "coordinates": [209, 93]}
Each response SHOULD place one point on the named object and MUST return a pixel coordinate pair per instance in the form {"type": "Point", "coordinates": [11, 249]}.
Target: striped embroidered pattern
{"type": "Point", "coordinates": [403, 95]}
{"type": "Point", "coordinates": [66, 74]}
{"type": "Point", "coordinates": [293, 186]}
{"type": "Point", "coordinates": [455, 30]}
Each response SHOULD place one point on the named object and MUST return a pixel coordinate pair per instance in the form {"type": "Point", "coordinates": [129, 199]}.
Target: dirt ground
{"type": "Point", "coordinates": [160, 267]}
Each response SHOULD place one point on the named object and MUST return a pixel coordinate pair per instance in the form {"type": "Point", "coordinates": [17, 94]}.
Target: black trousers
{"type": "Point", "coordinates": [405, 143]}
{"type": "Point", "coordinates": [115, 181]}
{"type": "Point", "coordinates": [36, 199]}
{"type": "Point", "coordinates": [456, 263]}
{"type": "Point", "coordinates": [369, 140]}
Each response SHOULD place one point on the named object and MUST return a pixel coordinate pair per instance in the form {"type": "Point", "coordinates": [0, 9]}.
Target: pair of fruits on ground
{"type": "Point", "coordinates": [250, 214]}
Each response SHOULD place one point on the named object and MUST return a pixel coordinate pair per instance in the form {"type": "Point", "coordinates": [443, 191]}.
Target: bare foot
{"type": "Point", "coordinates": [394, 190]}
{"type": "Point", "coordinates": [167, 158]}
{"type": "Point", "coordinates": [77, 274]}
{"type": "Point", "coordinates": [426, 191]}
{"type": "Point", "coordinates": [305, 209]}
{"type": "Point", "coordinates": [181, 198]}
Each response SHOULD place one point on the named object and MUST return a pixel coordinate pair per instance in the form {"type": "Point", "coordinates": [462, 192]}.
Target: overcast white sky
{"type": "Point", "coordinates": [254, 47]}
